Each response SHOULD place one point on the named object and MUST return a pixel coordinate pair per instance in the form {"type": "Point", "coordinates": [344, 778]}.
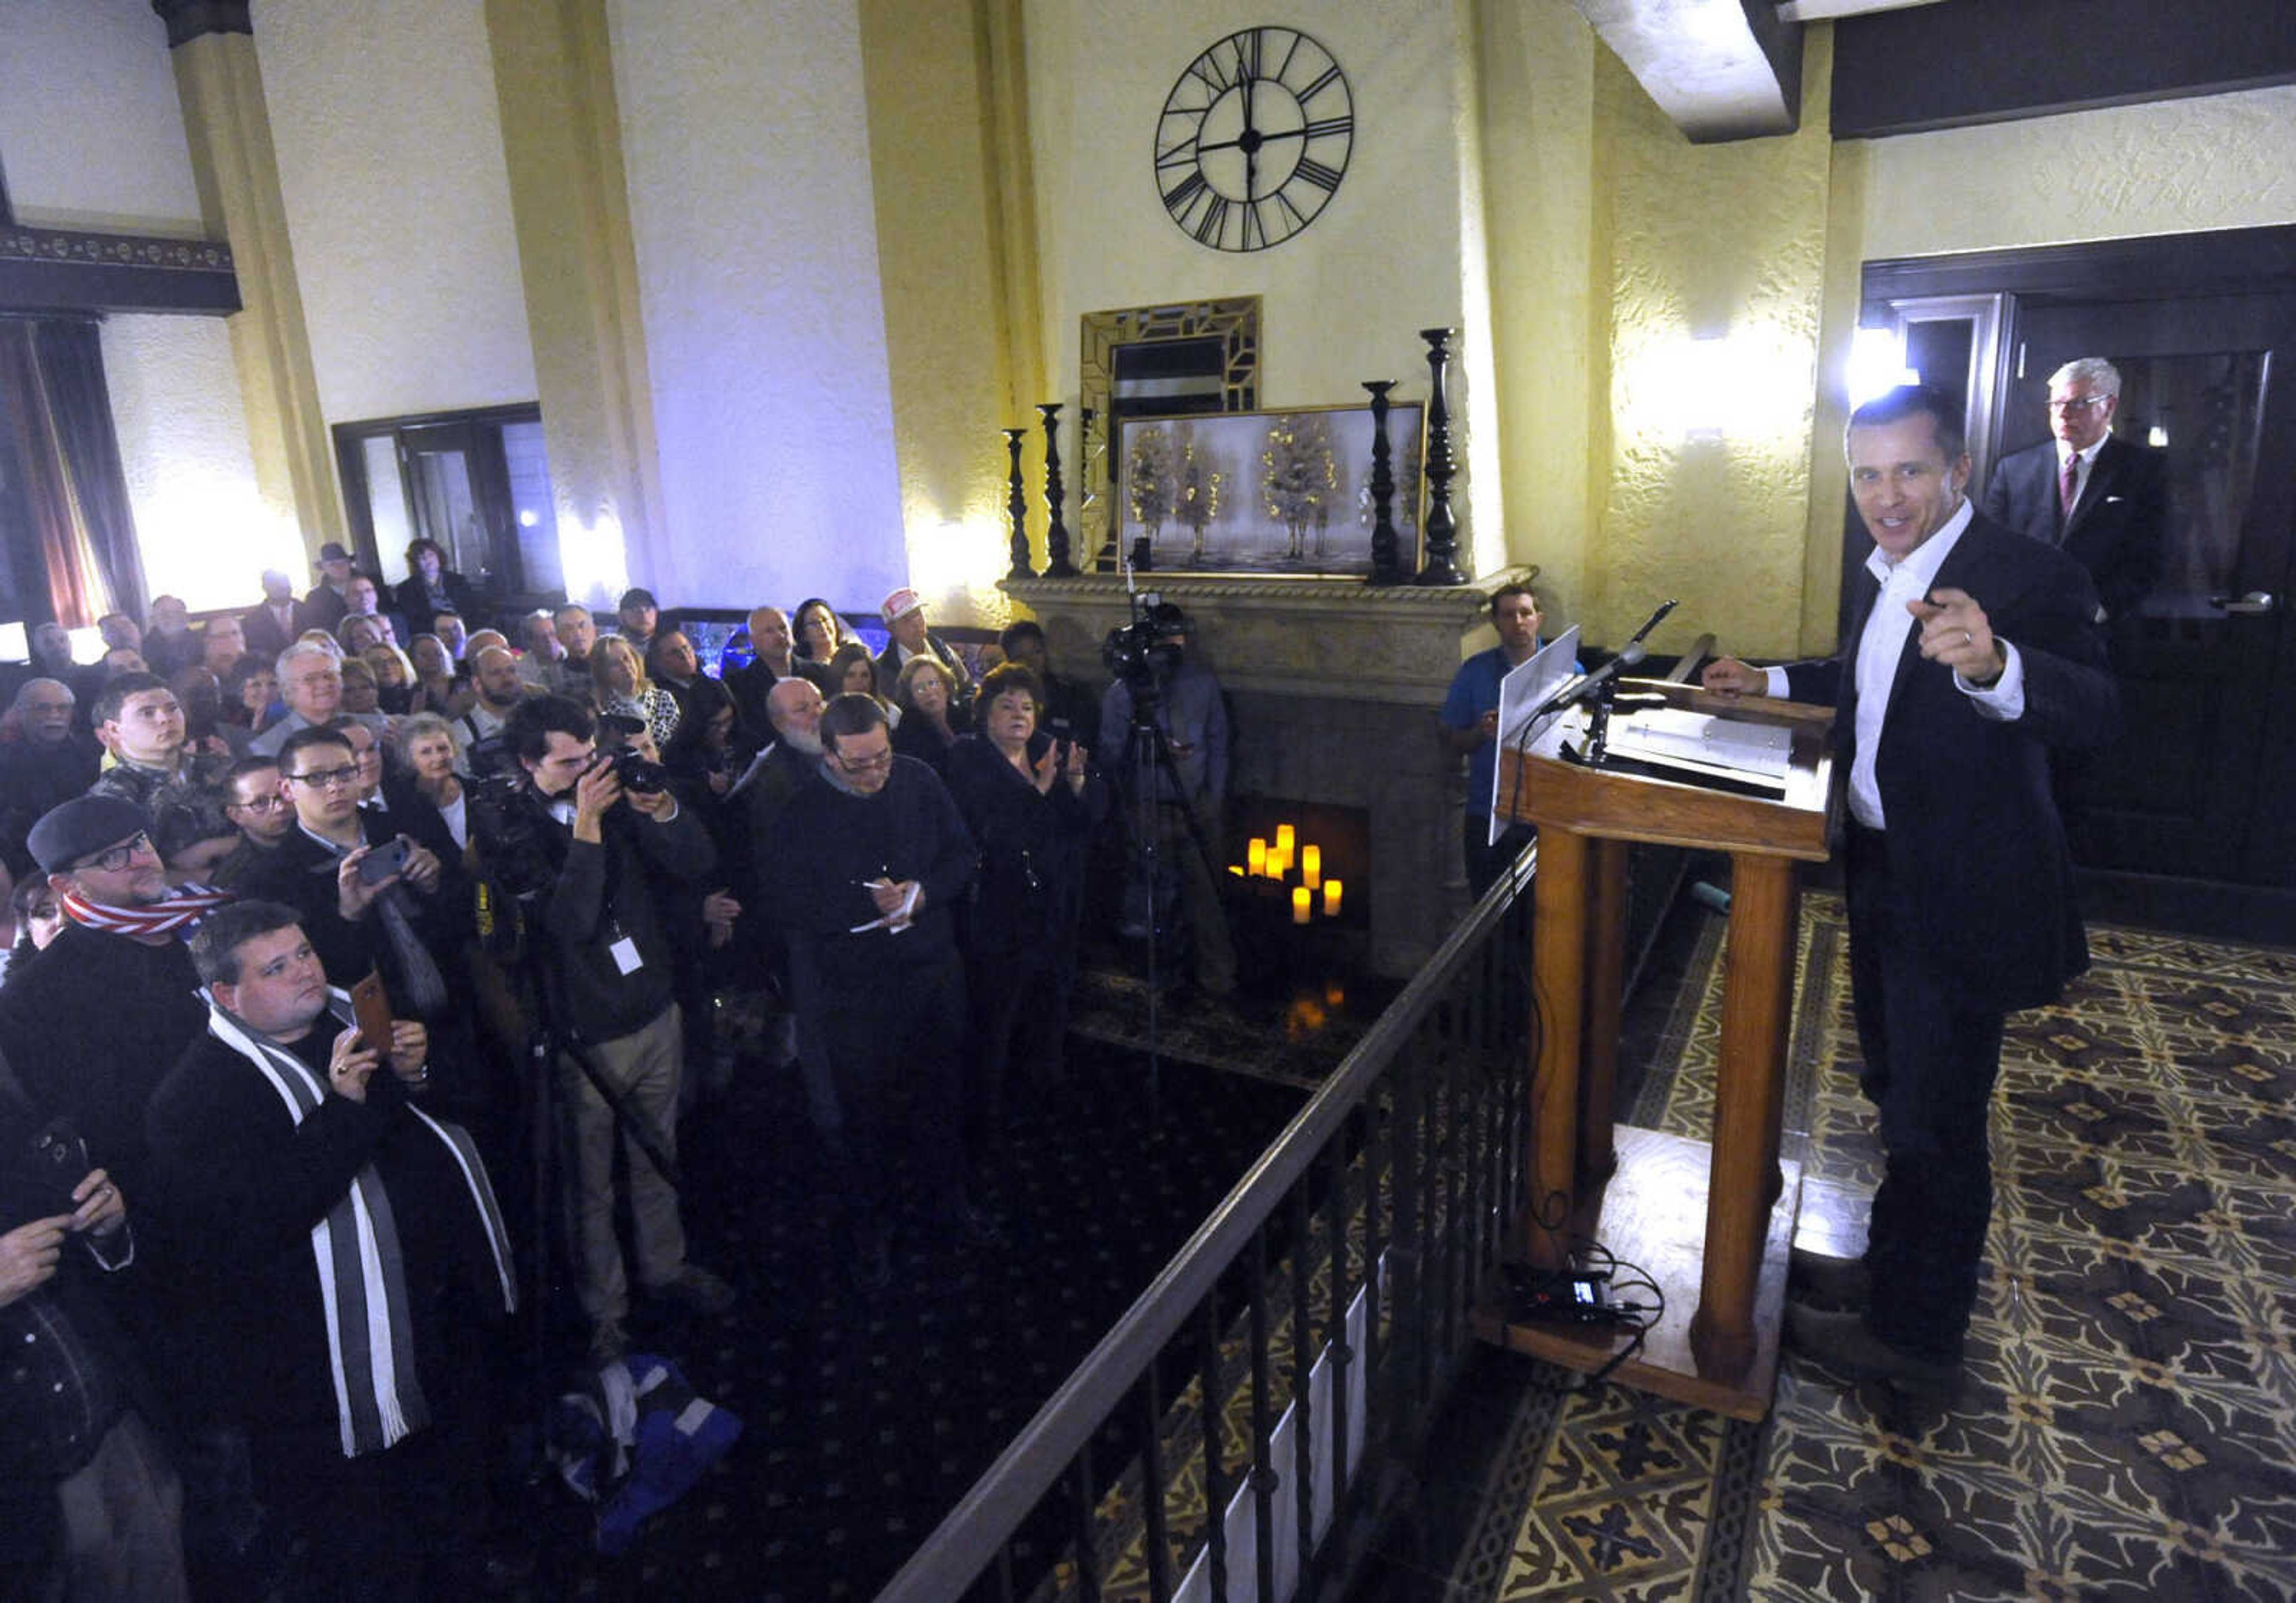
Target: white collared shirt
{"type": "Point", "coordinates": [1883, 643]}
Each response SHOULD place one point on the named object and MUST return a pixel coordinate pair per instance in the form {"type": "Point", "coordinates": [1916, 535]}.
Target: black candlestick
{"type": "Point", "coordinates": [1057, 532]}
{"type": "Point", "coordinates": [1018, 504]}
{"type": "Point", "coordinates": [1058, 564]}
{"type": "Point", "coordinates": [1442, 536]}
{"type": "Point", "coordinates": [1386, 566]}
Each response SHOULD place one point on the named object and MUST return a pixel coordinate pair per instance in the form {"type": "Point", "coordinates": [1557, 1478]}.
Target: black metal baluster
{"type": "Point", "coordinates": [1335, 1225]}
{"type": "Point", "coordinates": [1213, 1413]}
{"type": "Point", "coordinates": [1088, 1554]}
{"type": "Point", "coordinates": [1264, 1477]}
{"type": "Point", "coordinates": [1378, 1153]}
{"type": "Point", "coordinates": [1303, 1368]}
{"type": "Point", "coordinates": [1152, 1490]}
{"type": "Point", "coordinates": [1409, 1332]}
{"type": "Point", "coordinates": [1455, 1236]}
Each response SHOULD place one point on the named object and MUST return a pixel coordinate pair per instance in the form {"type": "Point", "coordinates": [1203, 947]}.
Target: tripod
{"type": "Point", "coordinates": [1148, 761]}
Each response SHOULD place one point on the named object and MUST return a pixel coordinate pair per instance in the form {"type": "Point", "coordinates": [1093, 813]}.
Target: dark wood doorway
{"type": "Point", "coordinates": [2188, 802]}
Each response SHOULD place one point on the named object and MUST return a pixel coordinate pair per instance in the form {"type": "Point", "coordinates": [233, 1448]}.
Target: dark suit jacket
{"type": "Point", "coordinates": [264, 637]}
{"type": "Point", "coordinates": [1966, 798]}
{"type": "Point", "coordinates": [888, 666]}
{"type": "Point", "coordinates": [321, 608]}
{"type": "Point", "coordinates": [413, 604]}
{"type": "Point", "coordinates": [749, 684]}
{"type": "Point", "coordinates": [2119, 528]}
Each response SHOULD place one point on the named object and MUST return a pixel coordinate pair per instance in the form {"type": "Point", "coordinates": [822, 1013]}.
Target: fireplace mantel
{"type": "Point", "coordinates": [1334, 685]}
{"type": "Point", "coordinates": [1397, 643]}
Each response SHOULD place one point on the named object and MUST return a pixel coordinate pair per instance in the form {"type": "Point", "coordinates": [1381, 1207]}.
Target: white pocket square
{"type": "Point", "coordinates": [2109, 500]}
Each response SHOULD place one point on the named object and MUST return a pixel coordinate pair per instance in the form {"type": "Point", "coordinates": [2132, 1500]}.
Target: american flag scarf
{"type": "Point", "coordinates": [179, 914]}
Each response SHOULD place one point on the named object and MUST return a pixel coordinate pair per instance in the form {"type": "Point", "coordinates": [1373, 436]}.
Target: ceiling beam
{"type": "Point", "coordinates": [1721, 70]}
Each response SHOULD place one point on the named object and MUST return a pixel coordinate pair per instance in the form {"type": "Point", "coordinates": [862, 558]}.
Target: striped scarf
{"type": "Point", "coordinates": [362, 1275]}
{"type": "Point", "coordinates": [179, 912]}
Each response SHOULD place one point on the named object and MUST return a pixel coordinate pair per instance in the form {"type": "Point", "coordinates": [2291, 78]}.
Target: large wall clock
{"type": "Point", "coordinates": [1254, 139]}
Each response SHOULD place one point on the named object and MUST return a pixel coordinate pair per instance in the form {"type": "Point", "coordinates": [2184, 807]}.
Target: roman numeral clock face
{"type": "Point", "coordinates": [1254, 139]}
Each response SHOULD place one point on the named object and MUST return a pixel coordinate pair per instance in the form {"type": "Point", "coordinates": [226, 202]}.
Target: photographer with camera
{"type": "Point", "coordinates": [89, 1506]}
{"type": "Point", "coordinates": [605, 831]}
{"type": "Point", "coordinates": [1163, 739]}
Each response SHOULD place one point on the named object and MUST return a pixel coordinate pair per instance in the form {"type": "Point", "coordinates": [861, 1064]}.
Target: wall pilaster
{"type": "Point", "coordinates": [228, 129]}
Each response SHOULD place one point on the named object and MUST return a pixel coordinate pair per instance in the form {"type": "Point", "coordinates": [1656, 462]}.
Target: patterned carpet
{"type": "Point", "coordinates": [2129, 1431]}
{"type": "Point", "coordinates": [868, 1415]}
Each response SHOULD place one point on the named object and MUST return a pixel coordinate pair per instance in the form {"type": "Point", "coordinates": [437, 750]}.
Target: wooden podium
{"type": "Point", "coordinates": [1716, 1219]}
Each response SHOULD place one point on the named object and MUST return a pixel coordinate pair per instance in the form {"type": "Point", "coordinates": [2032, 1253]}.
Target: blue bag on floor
{"type": "Point", "coordinates": [637, 1444]}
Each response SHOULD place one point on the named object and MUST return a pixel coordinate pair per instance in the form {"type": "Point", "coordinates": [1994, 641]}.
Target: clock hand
{"type": "Point", "coordinates": [1252, 140]}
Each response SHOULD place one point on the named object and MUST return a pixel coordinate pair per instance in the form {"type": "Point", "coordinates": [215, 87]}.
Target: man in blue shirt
{"type": "Point", "coordinates": [1470, 725]}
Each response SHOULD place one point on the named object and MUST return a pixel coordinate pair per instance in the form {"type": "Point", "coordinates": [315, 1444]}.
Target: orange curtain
{"type": "Point", "coordinates": [73, 494]}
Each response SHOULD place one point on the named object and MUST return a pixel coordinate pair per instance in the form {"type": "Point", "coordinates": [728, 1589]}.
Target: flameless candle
{"type": "Point", "coordinates": [1301, 909]}
{"type": "Point", "coordinates": [1285, 838]}
{"type": "Point", "coordinates": [1236, 869]}
{"type": "Point", "coordinates": [1255, 857]}
{"type": "Point", "coordinates": [1330, 898]}
{"type": "Point", "coordinates": [1311, 866]}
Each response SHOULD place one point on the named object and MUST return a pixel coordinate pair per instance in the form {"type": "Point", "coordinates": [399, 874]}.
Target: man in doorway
{"type": "Point", "coordinates": [1975, 652]}
{"type": "Point", "coordinates": [2102, 501]}
{"type": "Point", "coordinates": [1470, 725]}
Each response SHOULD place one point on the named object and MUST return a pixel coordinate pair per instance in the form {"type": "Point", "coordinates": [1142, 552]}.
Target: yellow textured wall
{"type": "Point", "coordinates": [1709, 239]}
{"type": "Point", "coordinates": [1545, 224]}
{"type": "Point", "coordinates": [956, 254]}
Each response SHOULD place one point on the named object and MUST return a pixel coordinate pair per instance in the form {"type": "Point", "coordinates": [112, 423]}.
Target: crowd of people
{"type": "Point", "coordinates": [294, 893]}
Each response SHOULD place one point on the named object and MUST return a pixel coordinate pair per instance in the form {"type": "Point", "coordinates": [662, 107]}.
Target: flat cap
{"type": "Point", "coordinates": [82, 827]}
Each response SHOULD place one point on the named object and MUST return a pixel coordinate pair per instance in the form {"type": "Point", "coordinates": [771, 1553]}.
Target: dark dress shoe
{"type": "Point", "coordinates": [1843, 1344]}
{"type": "Point", "coordinates": [1819, 1281]}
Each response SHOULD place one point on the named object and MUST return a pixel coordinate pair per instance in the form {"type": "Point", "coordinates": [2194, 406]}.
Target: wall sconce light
{"type": "Point", "coordinates": [1877, 364]}
{"type": "Point", "coordinates": [1704, 387]}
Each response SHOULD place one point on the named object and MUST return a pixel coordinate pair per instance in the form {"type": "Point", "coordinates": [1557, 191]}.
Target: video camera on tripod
{"type": "Point", "coordinates": [1138, 651]}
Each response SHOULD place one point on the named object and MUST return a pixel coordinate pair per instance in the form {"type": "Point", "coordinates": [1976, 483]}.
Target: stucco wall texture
{"type": "Point", "coordinates": [1709, 241]}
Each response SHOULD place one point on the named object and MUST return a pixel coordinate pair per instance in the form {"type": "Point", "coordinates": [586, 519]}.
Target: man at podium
{"type": "Point", "coordinates": [1972, 652]}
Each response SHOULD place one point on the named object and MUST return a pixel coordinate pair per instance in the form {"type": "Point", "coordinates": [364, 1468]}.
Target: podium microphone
{"type": "Point", "coordinates": [1656, 618]}
{"type": "Point", "coordinates": [1579, 687]}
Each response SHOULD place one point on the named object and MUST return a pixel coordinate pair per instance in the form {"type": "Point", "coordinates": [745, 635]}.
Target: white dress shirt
{"type": "Point", "coordinates": [1883, 645]}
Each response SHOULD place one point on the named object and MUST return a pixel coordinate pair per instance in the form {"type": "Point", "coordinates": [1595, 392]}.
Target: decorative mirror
{"type": "Point", "coordinates": [1195, 357]}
